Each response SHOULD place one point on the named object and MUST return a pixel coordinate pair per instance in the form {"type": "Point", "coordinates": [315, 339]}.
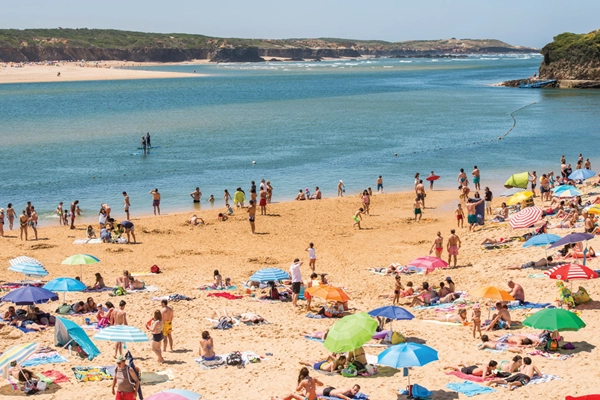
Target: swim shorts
{"type": "Point", "coordinates": [317, 366]}
{"type": "Point", "coordinates": [156, 203]}
{"type": "Point", "coordinates": [327, 391]}
{"type": "Point", "coordinates": [355, 218]}
{"type": "Point", "coordinates": [476, 179]}
{"type": "Point", "coordinates": [420, 196]}
{"type": "Point", "coordinates": [468, 370]}
{"type": "Point", "coordinates": [530, 264]}
{"type": "Point", "coordinates": [251, 218]}
{"type": "Point", "coordinates": [296, 287]}
{"type": "Point", "coordinates": [263, 202]}
{"type": "Point", "coordinates": [417, 211]}
{"type": "Point", "coordinates": [167, 327]}
{"type": "Point", "coordinates": [453, 250]}
{"type": "Point", "coordinates": [472, 218]}
{"type": "Point", "coordinates": [522, 378]}
{"type": "Point", "coordinates": [459, 217]}
{"type": "Point", "coordinates": [379, 187]}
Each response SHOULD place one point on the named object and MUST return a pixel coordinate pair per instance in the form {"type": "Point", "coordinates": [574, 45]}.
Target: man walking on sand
{"type": "Point", "coordinates": [126, 204]}
{"type": "Point", "coordinates": [453, 246]}
{"type": "Point", "coordinates": [420, 189]}
{"type": "Point", "coordinates": [155, 200]}
{"type": "Point", "coordinates": [476, 177]}
{"type": "Point", "coordinates": [167, 318]}
{"type": "Point", "coordinates": [296, 275]}
{"type": "Point", "coordinates": [119, 317]}
{"type": "Point", "coordinates": [73, 213]}
{"type": "Point", "coordinates": [252, 214]}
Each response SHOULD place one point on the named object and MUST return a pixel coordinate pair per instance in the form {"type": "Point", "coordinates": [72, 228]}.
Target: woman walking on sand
{"type": "Point", "coordinates": [366, 200]}
{"type": "Point", "coordinates": [156, 328]}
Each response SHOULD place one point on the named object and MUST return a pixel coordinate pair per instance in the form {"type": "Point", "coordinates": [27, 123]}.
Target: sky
{"type": "Point", "coordinates": [517, 22]}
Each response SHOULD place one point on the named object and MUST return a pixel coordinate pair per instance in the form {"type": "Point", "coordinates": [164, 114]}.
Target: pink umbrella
{"type": "Point", "coordinates": [525, 218]}
{"type": "Point", "coordinates": [428, 263]}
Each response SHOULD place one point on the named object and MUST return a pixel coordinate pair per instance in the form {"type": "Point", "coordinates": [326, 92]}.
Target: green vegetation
{"type": "Point", "coordinates": [574, 48]}
{"type": "Point", "coordinates": [127, 40]}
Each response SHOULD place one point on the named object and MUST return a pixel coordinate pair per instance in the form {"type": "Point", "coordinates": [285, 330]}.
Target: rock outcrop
{"type": "Point", "coordinates": [236, 54]}
{"type": "Point", "coordinates": [572, 57]}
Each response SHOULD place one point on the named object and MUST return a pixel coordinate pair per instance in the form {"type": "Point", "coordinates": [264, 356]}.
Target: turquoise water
{"type": "Point", "coordinates": [305, 124]}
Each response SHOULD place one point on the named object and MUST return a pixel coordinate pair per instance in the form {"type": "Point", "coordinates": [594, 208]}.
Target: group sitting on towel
{"type": "Point", "coordinates": [35, 319]}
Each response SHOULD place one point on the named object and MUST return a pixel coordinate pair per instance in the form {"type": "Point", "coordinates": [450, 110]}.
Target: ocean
{"type": "Point", "coordinates": [305, 124]}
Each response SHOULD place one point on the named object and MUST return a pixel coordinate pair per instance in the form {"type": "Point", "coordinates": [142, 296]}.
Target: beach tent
{"type": "Point", "coordinates": [517, 181]}
{"type": "Point", "coordinates": [66, 331]}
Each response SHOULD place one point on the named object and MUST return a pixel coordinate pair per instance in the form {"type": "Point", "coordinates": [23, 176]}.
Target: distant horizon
{"type": "Point", "coordinates": [529, 24]}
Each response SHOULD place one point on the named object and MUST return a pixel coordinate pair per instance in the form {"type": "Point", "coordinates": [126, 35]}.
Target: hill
{"type": "Point", "coordinates": [572, 56]}
{"type": "Point", "coordinates": [105, 44]}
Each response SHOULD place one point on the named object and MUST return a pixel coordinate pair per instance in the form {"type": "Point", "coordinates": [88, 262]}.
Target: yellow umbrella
{"type": "Point", "coordinates": [518, 198]}
{"type": "Point", "coordinates": [491, 292]}
{"type": "Point", "coordinates": [329, 293]}
{"type": "Point", "coordinates": [595, 209]}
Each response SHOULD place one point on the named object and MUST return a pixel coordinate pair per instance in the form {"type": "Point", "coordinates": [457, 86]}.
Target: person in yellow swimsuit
{"type": "Point", "coordinates": [167, 318]}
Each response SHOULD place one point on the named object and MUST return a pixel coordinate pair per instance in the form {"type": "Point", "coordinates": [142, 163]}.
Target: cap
{"type": "Point", "coordinates": [448, 279]}
{"type": "Point", "coordinates": [120, 358]}
{"type": "Point", "coordinates": [476, 305]}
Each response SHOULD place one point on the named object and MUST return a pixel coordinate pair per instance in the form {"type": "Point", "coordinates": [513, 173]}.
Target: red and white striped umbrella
{"type": "Point", "coordinates": [525, 218]}
{"type": "Point", "coordinates": [567, 272]}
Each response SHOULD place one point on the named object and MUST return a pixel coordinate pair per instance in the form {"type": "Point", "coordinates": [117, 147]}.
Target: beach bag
{"type": "Point", "coordinates": [358, 366]}
{"type": "Point", "coordinates": [155, 269]}
{"type": "Point", "coordinates": [31, 388]}
{"type": "Point", "coordinates": [349, 372]}
{"type": "Point", "coordinates": [235, 358]}
{"type": "Point", "coordinates": [552, 345]}
{"type": "Point", "coordinates": [119, 291]}
{"type": "Point", "coordinates": [419, 392]}
{"type": "Point", "coordinates": [64, 309]}
{"type": "Point", "coordinates": [397, 338]}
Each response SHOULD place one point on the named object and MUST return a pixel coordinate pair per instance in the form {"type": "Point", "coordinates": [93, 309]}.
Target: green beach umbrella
{"type": "Point", "coordinates": [350, 333]}
{"type": "Point", "coordinates": [80, 259]}
{"type": "Point", "coordinates": [555, 319]}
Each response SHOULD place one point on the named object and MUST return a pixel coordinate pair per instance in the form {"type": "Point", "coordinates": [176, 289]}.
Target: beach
{"type": "Point", "coordinates": [84, 71]}
{"type": "Point", "coordinates": [188, 255]}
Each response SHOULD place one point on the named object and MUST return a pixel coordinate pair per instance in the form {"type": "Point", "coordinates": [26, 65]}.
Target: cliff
{"type": "Point", "coordinates": [33, 45]}
{"type": "Point", "coordinates": [572, 57]}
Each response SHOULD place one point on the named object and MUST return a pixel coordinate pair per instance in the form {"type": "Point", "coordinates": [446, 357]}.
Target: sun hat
{"type": "Point", "coordinates": [120, 358]}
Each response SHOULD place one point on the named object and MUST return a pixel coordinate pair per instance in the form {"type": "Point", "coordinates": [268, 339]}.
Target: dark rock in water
{"type": "Point", "coordinates": [274, 60]}
{"type": "Point", "coordinates": [236, 54]}
{"type": "Point", "coordinates": [296, 59]}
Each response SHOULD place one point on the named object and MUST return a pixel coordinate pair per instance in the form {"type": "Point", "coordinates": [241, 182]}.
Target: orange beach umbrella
{"type": "Point", "coordinates": [491, 292]}
{"type": "Point", "coordinates": [329, 293]}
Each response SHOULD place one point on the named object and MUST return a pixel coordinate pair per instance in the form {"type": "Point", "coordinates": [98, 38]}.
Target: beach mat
{"type": "Point", "coordinates": [55, 376]}
{"type": "Point", "coordinates": [51, 357]}
{"type": "Point", "coordinates": [471, 378]}
{"type": "Point", "coordinates": [91, 374]}
{"type": "Point", "coordinates": [225, 295]}
{"type": "Point", "coordinates": [208, 288]}
{"type": "Point", "coordinates": [552, 356]}
{"type": "Point", "coordinates": [433, 321]}
{"type": "Point", "coordinates": [469, 389]}
{"type": "Point", "coordinates": [314, 339]}
{"type": "Point", "coordinates": [153, 378]}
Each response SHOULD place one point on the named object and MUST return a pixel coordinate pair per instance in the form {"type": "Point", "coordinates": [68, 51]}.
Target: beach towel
{"type": "Point", "coordinates": [88, 241]}
{"type": "Point", "coordinates": [55, 376]}
{"type": "Point", "coordinates": [225, 295]}
{"type": "Point", "coordinates": [469, 389]}
{"type": "Point", "coordinates": [538, 276]}
{"type": "Point", "coordinates": [150, 288]}
{"type": "Point", "coordinates": [89, 374]}
{"type": "Point", "coordinates": [219, 361]}
{"type": "Point", "coordinates": [553, 356]}
{"type": "Point", "coordinates": [173, 297]}
{"type": "Point", "coordinates": [543, 379]}
{"type": "Point", "coordinates": [152, 378]}
{"type": "Point", "coordinates": [472, 378]}
{"type": "Point", "coordinates": [529, 304]}
{"type": "Point", "coordinates": [222, 288]}
{"type": "Point", "coordinates": [433, 321]}
{"type": "Point", "coordinates": [314, 339]}
{"type": "Point", "coordinates": [443, 306]}
{"type": "Point", "coordinates": [374, 271]}
{"type": "Point", "coordinates": [315, 316]}
{"type": "Point", "coordinates": [44, 358]}
{"type": "Point", "coordinates": [142, 273]}
{"type": "Point", "coordinates": [104, 289]}
{"type": "Point", "coordinates": [357, 396]}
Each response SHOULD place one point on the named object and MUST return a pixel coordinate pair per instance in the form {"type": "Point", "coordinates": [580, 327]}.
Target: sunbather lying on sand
{"type": "Point", "coordinates": [541, 263]}
{"type": "Point", "coordinates": [332, 364]}
{"type": "Point", "coordinates": [316, 334]}
{"type": "Point", "coordinates": [344, 394]}
{"type": "Point", "coordinates": [510, 366]}
{"type": "Point", "coordinates": [515, 346]}
{"type": "Point", "coordinates": [522, 378]}
{"type": "Point", "coordinates": [460, 317]}
{"type": "Point", "coordinates": [474, 369]}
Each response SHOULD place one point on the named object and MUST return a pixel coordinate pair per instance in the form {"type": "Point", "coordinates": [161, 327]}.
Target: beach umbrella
{"type": "Point", "coordinates": [491, 292]}
{"type": "Point", "coordinates": [554, 319]}
{"type": "Point", "coordinates": [560, 188]}
{"type": "Point", "coordinates": [511, 191]}
{"type": "Point", "coordinates": [122, 333]}
{"type": "Point", "coordinates": [25, 260]}
{"type": "Point", "coordinates": [517, 181]}
{"type": "Point", "coordinates": [525, 218]}
{"type": "Point", "coordinates": [269, 274]}
{"type": "Point", "coordinates": [65, 285]}
{"type": "Point", "coordinates": [405, 355]}
{"type": "Point", "coordinates": [29, 295]}
{"type": "Point", "coordinates": [581, 174]}
{"type": "Point", "coordinates": [428, 263]}
{"type": "Point", "coordinates": [519, 198]}
{"type": "Point", "coordinates": [542, 240]}
{"type": "Point", "coordinates": [586, 397]}
{"type": "Point", "coordinates": [391, 312]}
{"type": "Point", "coordinates": [80, 259]}
{"type": "Point", "coordinates": [329, 293]}
{"type": "Point", "coordinates": [29, 269]}
{"type": "Point", "coordinates": [18, 353]}
{"type": "Point", "coordinates": [572, 238]}
{"type": "Point", "coordinates": [568, 193]}
{"type": "Point", "coordinates": [350, 333]}
{"type": "Point", "coordinates": [175, 394]}
{"type": "Point", "coordinates": [595, 209]}
{"type": "Point", "coordinates": [568, 272]}
{"type": "Point", "coordinates": [67, 331]}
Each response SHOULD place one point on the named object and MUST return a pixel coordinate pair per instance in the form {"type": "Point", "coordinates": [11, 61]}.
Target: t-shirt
{"type": "Point", "coordinates": [127, 224]}
{"type": "Point", "coordinates": [312, 253]}
{"type": "Point", "coordinates": [295, 272]}
{"type": "Point", "coordinates": [488, 196]}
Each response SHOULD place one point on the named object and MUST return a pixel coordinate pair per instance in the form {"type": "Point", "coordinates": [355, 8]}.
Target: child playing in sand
{"type": "Point", "coordinates": [476, 318]}
{"type": "Point", "coordinates": [417, 209]}
{"type": "Point", "coordinates": [397, 288]}
{"type": "Point", "coordinates": [312, 256]}
{"type": "Point", "coordinates": [460, 217]}
{"type": "Point", "coordinates": [358, 217]}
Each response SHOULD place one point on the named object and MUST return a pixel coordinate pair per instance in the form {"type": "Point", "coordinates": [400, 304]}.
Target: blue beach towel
{"type": "Point", "coordinates": [357, 396]}
{"type": "Point", "coordinates": [469, 389]}
{"type": "Point", "coordinates": [314, 339]}
{"type": "Point", "coordinates": [44, 358]}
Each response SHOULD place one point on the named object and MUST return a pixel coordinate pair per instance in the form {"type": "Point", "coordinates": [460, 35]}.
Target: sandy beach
{"type": "Point", "coordinates": [188, 255]}
{"type": "Point", "coordinates": [90, 71]}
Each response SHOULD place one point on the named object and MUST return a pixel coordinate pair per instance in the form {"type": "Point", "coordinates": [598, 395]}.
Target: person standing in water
{"type": "Point", "coordinates": [148, 140]}
{"type": "Point", "coordinates": [126, 204]}
{"type": "Point", "coordinates": [144, 144]}
{"type": "Point", "coordinates": [380, 184]}
{"type": "Point", "coordinates": [155, 200]}
{"type": "Point", "coordinates": [196, 195]}
{"type": "Point", "coordinates": [476, 177]}
{"type": "Point", "coordinates": [431, 180]}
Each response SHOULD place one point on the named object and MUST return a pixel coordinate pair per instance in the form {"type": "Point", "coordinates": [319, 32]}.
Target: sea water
{"type": "Point", "coordinates": [305, 124]}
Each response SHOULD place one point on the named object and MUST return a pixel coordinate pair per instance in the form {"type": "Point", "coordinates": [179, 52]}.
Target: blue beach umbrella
{"type": "Point", "coordinates": [121, 333]}
{"type": "Point", "coordinates": [511, 191]}
{"type": "Point", "coordinates": [542, 240]}
{"type": "Point", "coordinates": [572, 238]}
{"type": "Point", "coordinates": [269, 274]}
{"type": "Point", "coordinates": [29, 269]}
{"type": "Point", "coordinates": [65, 285]}
{"type": "Point", "coordinates": [67, 331]}
{"type": "Point", "coordinates": [29, 295]}
{"type": "Point", "coordinates": [391, 312]}
{"type": "Point", "coordinates": [581, 174]}
{"type": "Point", "coordinates": [560, 188]}
{"type": "Point", "coordinates": [568, 193]}
{"type": "Point", "coordinates": [406, 355]}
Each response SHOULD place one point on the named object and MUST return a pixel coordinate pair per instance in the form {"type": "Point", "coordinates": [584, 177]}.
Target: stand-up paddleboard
{"type": "Point", "coordinates": [149, 148]}
{"type": "Point", "coordinates": [433, 178]}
